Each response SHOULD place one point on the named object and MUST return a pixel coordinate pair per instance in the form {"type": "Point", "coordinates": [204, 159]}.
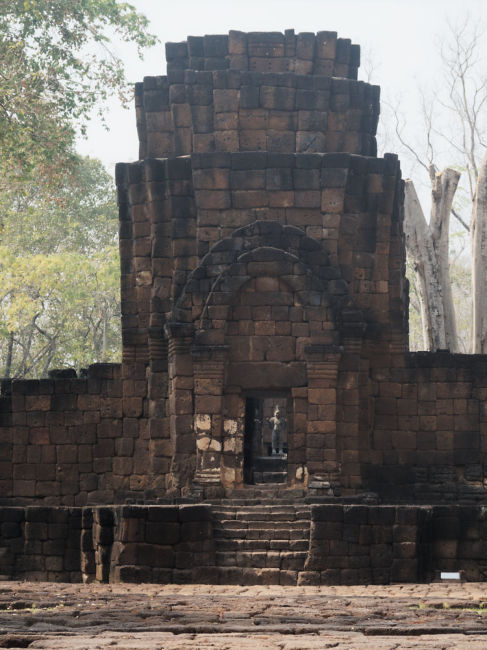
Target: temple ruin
{"type": "Point", "coordinates": [267, 422]}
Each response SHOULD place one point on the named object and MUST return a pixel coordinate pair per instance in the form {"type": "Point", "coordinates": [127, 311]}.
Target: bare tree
{"type": "Point", "coordinates": [478, 231]}
{"type": "Point", "coordinates": [428, 246]}
{"type": "Point", "coordinates": [466, 96]}
{"type": "Point", "coordinates": [454, 119]}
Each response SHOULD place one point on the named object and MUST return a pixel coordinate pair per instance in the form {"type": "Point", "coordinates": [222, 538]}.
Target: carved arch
{"type": "Point", "coordinates": [282, 250]}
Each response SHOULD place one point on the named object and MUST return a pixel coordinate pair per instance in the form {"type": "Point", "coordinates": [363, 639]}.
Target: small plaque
{"type": "Point", "coordinates": [450, 575]}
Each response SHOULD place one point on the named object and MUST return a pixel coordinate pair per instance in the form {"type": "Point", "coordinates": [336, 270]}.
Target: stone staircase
{"type": "Point", "coordinates": [260, 543]}
{"type": "Point", "coordinates": [269, 470]}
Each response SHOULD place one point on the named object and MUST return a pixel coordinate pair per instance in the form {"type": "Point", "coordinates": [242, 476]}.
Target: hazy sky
{"type": "Point", "coordinates": [400, 37]}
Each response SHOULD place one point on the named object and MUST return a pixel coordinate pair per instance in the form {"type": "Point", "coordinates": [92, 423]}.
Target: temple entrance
{"type": "Point", "coordinates": [266, 438]}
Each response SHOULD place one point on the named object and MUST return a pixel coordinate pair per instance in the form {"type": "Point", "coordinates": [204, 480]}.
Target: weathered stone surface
{"type": "Point", "coordinates": [262, 258]}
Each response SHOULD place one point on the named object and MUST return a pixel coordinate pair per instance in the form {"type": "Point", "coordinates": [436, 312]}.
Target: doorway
{"type": "Point", "coordinates": [266, 438]}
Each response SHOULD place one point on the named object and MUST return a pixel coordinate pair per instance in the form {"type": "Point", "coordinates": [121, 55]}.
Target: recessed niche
{"type": "Point", "coordinates": [266, 438]}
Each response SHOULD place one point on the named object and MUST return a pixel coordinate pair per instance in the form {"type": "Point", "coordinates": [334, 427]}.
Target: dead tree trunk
{"type": "Point", "coordinates": [478, 232]}
{"type": "Point", "coordinates": [428, 246]}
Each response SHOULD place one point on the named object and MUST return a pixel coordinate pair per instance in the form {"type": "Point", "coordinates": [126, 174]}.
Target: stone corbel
{"type": "Point", "coordinates": [352, 334]}
{"type": "Point", "coordinates": [177, 330]}
{"type": "Point", "coordinates": [323, 362]}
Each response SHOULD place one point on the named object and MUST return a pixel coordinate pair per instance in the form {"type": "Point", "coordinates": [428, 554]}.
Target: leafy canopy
{"type": "Point", "coordinates": [60, 274]}
{"type": "Point", "coordinates": [57, 63]}
{"type": "Point", "coordinates": [59, 269]}
{"type": "Point", "coordinates": [77, 214]}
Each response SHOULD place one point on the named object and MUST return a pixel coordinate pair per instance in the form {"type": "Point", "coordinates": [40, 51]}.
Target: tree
{"type": "Point", "coordinates": [58, 310]}
{"type": "Point", "coordinates": [478, 231]}
{"type": "Point", "coordinates": [59, 270]}
{"type": "Point", "coordinates": [78, 214]}
{"type": "Point", "coordinates": [454, 118]}
{"type": "Point", "coordinates": [428, 246]}
{"type": "Point", "coordinates": [460, 276]}
{"type": "Point", "coordinates": [56, 64]}
{"type": "Point", "coordinates": [59, 275]}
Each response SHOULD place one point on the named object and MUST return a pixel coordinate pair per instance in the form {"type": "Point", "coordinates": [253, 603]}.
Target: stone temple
{"type": "Point", "coordinates": [267, 423]}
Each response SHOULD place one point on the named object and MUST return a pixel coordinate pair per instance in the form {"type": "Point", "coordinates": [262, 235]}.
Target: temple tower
{"type": "Point", "coordinates": [262, 263]}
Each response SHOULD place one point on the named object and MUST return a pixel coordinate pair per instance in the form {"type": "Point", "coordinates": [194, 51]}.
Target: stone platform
{"type": "Point", "coordinates": [244, 542]}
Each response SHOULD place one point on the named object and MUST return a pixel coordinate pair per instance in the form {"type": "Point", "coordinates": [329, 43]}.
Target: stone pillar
{"type": "Point", "coordinates": [321, 444]}
{"type": "Point", "coordinates": [180, 375]}
{"type": "Point", "coordinates": [349, 399]}
{"type": "Point", "coordinates": [297, 454]}
{"type": "Point", "coordinates": [160, 445]}
{"type": "Point", "coordinates": [209, 370]}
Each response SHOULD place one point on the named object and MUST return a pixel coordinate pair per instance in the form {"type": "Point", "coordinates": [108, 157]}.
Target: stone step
{"type": "Point", "coordinates": [235, 575]}
{"type": "Point", "coordinates": [261, 513]}
{"type": "Point", "coordinates": [223, 544]}
{"type": "Point", "coordinates": [271, 464]}
{"type": "Point", "coordinates": [271, 522]}
{"type": "Point", "coordinates": [268, 506]}
{"type": "Point", "coordinates": [266, 534]}
{"type": "Point", "coordinates": [285, 560]}
{"type": "Point", "coordinates": [267, 498]}
{"type": "Point", "coordinates": [269, 515]}
{"type": "Point", "coordinates": [255, 501]}
{"type": "Point", "coordinates": [262, 534]}
{"type": "Point", "coordinates": [267, 491]}
{"type": "Point", "coordinates": [269, 477]}
{"type": "Point", "coordinates": [277, 512]}
{"type": "Point", "coordinates": [244, 515]}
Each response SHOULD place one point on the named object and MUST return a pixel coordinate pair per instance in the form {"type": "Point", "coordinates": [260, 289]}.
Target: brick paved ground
{"type": "Point", "coordinates": [50, 615]}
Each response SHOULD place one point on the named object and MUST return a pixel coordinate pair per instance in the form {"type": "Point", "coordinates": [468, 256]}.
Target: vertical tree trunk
{"type": "Point", "coordinates": [420, 246]}
{"type": "Point", "coordinates": [104, 340]}
{"type": "Point", "coordinates": [443, 188]}
{"type": "Point", "coordinates": [478, 232]}
{"type": "Point", "coordinates": [428, 247]}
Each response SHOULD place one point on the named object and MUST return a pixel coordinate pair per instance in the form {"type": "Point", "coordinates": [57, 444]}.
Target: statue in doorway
{"type": "Point", "coordinates": [278, 424]}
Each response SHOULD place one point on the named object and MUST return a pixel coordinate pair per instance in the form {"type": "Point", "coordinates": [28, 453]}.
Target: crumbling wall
{"type": "Point", "coordinates": [107, 544]}
{"type": "Point", "coordinates": [73, 441]}
{"type": "Point", "coordinates": [281, 93]}
{"type": "Point", "coordinates": [429, 432]}
{"type": "Point", "coordinates": [305, 53]}
{"type": "Point", "coordinates": [349, 544]}
{"type": "Point", "coordinates": [358, 544]}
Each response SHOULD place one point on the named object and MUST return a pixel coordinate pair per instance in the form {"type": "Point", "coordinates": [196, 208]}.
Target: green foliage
{"type": "Point", "coordinates": [78, 214]}
{"type": "Point", "coordinates": [59, 275]}
{"type": "Point", "coordinates": [57, 63]}
{"type": "Point", "coordinates": [62, 310]}
{"type": "Point", "coordinates": [59, 269]}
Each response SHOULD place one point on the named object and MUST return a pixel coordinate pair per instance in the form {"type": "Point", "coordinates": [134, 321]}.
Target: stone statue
{"type": "Point", "coordinates": [278, 423]}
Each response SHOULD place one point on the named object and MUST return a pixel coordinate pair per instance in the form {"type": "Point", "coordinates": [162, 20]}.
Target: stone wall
{"type": "Point", "coordinates": [276, 102]}
{"type": "Point", "coordinates": [78, 441]}
{"type": "Point", "coordinates": [263, 252]}
{"type": "Point", "coordinates": [163, 544]}
{"type": "Point", "coordinates": [383, 544]}
{"type": "Point", "coordinates": [305, 53]}
{"type": "Point", "coordinates": [117, 544]}
{"type": "Point", "coordinates": [72, 441]}
{"type": "Point", "coordinates": [204, 232]}
{"type": "Point", "coordinates": [349, 544]}
{"type": "Point", "coordinates": [368, 545]}
{"type": "Point", "coordinates": [429, 433]}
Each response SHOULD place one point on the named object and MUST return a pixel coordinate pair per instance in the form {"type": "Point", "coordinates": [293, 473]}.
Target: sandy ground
{"type": "Point", "coordinates": [50, 615]}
